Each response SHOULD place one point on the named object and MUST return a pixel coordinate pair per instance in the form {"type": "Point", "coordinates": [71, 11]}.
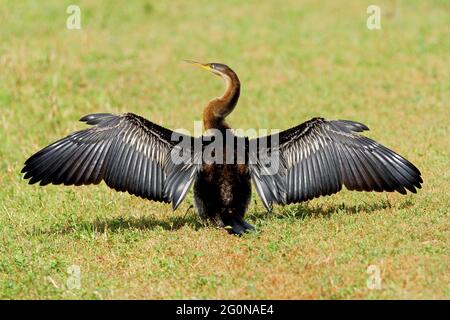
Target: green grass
{"type": "Point", "coordinates": [296, 60]}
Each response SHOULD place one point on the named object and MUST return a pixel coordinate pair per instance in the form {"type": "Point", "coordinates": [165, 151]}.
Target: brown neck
{"type": "Point", "coordinates": [219, 108]}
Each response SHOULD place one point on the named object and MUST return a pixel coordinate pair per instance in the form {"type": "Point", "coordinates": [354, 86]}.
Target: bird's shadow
{"type": "Point", "coordinates": [300, 211]}
{"type": "Point", "coordinates": [119, 224]}
{"type": "Point", "coordinates": [306, 210]}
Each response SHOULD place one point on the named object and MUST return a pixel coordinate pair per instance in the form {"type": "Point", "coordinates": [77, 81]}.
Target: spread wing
{"type": "Point", "coordinates": [318, 157]}
{"type": "Point", "coordinates": [126, 151]}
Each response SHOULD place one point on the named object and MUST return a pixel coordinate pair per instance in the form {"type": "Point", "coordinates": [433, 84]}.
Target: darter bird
{"type": "Point", "coordinates": [130, 153]}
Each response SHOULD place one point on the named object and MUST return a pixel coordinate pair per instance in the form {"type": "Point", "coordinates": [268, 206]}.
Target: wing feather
{"type": "Point", "coordinates": [318, 157]}
{"type": "Point", "coordinates": [128, 152]}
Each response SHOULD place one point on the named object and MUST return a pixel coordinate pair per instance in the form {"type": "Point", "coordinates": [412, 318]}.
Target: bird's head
{"type": "Point", "coordinates": [220, 107]}
{"type": "Point", "coordinates": [217, 68]}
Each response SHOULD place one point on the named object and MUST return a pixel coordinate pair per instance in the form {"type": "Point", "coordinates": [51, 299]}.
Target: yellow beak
{"type": "Point", "coordinates": [205, 66]}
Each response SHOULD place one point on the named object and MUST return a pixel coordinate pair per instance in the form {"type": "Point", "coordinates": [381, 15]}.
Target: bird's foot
{"type": "Point", "coordinates": [234, 224]}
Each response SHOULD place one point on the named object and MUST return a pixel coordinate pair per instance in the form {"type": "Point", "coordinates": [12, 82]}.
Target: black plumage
{"type": "Point", "coordinates": [130, 153]}
{"type": "Point", "coordinates": [127, 152]}
{"type": "Point", "coordinates": [318, 157]}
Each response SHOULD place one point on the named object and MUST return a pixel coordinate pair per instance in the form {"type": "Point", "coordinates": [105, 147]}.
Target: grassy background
{"type": "Point", "coordinates": [296, 60]}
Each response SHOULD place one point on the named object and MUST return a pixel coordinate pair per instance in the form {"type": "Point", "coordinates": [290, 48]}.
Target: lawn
{"type": "Point", "coordinates": [296, 60]}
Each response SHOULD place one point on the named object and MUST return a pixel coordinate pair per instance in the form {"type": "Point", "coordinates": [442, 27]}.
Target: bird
{"type": "Point", "coordinates": [132, 154]}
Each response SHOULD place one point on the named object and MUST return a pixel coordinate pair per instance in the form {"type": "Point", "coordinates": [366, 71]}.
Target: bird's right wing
{"type": "Point", "coordinates": [318, 157]}
{"type": "Point", "coordinates": [127, 151]}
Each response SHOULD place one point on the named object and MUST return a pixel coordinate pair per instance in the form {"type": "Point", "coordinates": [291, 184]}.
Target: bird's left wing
{"type": "Point", "coordinates": [318, 157]}
{"type": "Point", "coordinates": [126, 151]}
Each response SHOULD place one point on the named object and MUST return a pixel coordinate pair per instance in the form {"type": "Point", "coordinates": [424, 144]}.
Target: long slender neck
{"type": "Point", "coordinates": [219, 108]}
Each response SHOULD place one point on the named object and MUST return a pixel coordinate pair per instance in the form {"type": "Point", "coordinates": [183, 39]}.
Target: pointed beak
{"type": "Point", "coordinates": [205, 66]}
